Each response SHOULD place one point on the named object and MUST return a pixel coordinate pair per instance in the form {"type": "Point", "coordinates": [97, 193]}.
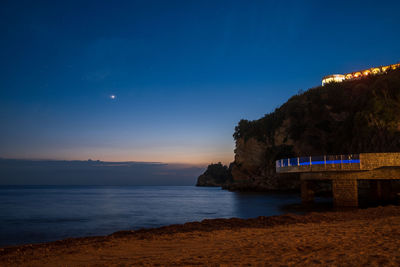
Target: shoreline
{"type": "Point", "coordinates": [205, 225]}
{"type": "Point", "coordinates": [80, 250]}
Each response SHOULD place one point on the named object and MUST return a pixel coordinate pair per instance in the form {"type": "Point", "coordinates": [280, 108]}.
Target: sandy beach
{"type": "Point", "coordinates": [347, 238]}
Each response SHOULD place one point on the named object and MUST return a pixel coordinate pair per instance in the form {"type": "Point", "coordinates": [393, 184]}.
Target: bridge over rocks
{"type": "Point", "coordinates": [345, 171]}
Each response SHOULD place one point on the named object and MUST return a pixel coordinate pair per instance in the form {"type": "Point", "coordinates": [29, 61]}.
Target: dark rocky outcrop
{"type": "Point", "coordinates": [339, 118]}
{"type": "Point", "coordinates": [216, 175]}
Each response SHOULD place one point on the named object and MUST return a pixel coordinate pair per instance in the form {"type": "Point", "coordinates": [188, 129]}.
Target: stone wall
{"type": "Point", "coordinates": [345, 192]}
{"type": "Point", "coordinates": [389, 173]}
{"type": "Point", "coordinates": [370, 161]}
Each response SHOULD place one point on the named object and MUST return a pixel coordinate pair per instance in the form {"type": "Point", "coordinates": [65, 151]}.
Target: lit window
{"type": "Point", "coordinates": [376, 70]}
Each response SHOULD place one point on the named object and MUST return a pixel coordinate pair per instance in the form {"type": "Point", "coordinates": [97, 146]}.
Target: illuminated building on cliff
{"type": "Point", "coordinates": [358, 74]}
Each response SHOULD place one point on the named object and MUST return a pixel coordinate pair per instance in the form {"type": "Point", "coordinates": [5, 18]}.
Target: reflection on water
{"type": "Point", "coordinates": [44, 213]}
{"type": "Point", "coordinates": [248, 205]}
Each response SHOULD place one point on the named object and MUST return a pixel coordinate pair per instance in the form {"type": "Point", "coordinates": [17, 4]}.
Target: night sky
{"type": "Point", "coordinates": [183, 72]}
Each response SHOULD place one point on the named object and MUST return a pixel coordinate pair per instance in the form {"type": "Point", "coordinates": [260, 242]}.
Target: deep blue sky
{"type": "Point", "coordinates": [183, 72]}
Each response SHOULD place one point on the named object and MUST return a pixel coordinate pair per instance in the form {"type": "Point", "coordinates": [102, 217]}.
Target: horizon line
{"type": "Point", "coordinates": [109, 161]}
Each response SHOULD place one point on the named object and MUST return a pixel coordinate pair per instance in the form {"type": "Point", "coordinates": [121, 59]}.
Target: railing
{"type": "Point", "coordinates": [318, 160]}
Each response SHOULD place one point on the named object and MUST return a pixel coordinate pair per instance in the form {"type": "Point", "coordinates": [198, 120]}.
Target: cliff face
{"type": "Point", "coordinates": [251, 170]}
{"type": "Point", "coordinates": [341, 118]}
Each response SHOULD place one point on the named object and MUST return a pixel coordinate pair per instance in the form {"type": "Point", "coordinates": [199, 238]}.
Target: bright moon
{"type": "Point", "coordinates": [112, 96]}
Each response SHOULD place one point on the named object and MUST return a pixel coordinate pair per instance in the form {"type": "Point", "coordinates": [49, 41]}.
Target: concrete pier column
{"type": "Point", "coordinates": [307, 192]}
{"type": "Point", "coordinates": [345, 192]}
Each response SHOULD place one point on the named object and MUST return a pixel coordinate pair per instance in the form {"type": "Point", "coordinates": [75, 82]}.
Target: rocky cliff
{"type": "Point", "coordinates": [339, 118]}
{"type": "Point", "coordinates": [215, 175]}
{"type": "Point", "coordinates": [252, 171]}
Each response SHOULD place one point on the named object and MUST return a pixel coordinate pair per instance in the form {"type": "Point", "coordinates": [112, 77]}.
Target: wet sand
{"type": "Point", "coordinates": [348, 238]}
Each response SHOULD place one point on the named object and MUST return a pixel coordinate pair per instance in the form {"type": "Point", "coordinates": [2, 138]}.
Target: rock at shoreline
{"type": "Point", "coordinates": [215, 175]}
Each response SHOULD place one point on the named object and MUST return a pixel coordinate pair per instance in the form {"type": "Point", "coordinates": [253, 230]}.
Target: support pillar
{"type": "Point", "coordinates": [345, 192]}
{"type": "Point", "coordinates": [307, 193]}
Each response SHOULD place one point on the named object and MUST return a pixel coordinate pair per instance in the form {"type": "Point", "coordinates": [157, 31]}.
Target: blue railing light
{"type": "Point", "coordinates": [319, 160]}
{"type": "Point", "coordinates": [349, 161]}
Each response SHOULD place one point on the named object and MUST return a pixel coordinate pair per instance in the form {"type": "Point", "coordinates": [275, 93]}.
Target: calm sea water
{"type": "Point", "coordinates": [30, 214]}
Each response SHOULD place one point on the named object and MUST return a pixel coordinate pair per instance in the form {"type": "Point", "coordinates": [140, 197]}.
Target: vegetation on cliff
{"type": "Point", "coordinates": [339, 118]}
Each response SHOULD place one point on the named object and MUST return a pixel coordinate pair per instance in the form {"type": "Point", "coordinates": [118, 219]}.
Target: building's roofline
{"type": "Point", "coordinates": [397, 65]}
{"type": "Point", "coordinates": [333, 75]}
{"type": "Point", "coordinates": [364, 72]}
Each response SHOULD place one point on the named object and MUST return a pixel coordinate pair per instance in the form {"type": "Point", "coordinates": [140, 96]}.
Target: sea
{"type": "Point", "coordinates": [35, 214]}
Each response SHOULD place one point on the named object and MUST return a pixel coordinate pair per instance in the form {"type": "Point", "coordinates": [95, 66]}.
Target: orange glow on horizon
{"type": "Point", "coordinates": [201, 158]}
